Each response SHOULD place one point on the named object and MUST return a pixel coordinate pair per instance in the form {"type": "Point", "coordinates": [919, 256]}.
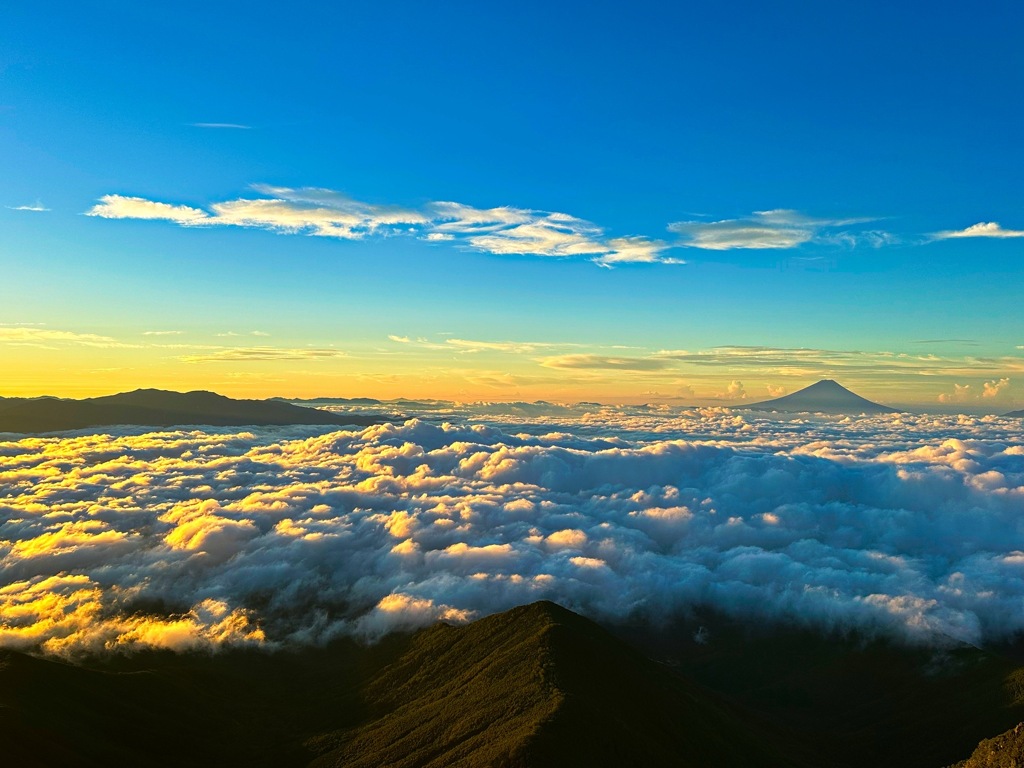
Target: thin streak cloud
{"type": "Point", "coordinates": [24, 335]}
{"type": "Point", "coordinates": [36, 207]}
{"type": "Point", "coordinates": [256, 354]}
{"type": "Point", "coordinates": [230, 126]}
{"type": "Point", "coordinates": [605, 362]}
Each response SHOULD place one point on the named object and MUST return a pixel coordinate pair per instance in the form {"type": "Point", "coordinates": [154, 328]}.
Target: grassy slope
{"type": "Point", "coordinates": [540, 686]}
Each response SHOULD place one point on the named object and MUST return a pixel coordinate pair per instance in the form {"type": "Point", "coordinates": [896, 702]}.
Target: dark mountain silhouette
{"type": "Point", "coordinates": [159, 408]}
{"type": "Point", "coordinates": [1016, 414]}
{"type": "Point", "coordinates": [540, 686]}
{"type": "Point", "coordinates": [533, 687]}
{"type": "Point", "coordinates": [860, 700]}
{"type": "Point", "coordinates": [826, 396]}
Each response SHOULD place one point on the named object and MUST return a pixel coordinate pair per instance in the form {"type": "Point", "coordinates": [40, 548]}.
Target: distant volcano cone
{"type": "Point", "coordinates": [827, 396]}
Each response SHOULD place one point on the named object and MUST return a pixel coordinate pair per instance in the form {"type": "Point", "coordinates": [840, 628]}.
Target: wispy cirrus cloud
{"type": "Point", "coordinates": [605, 362]}
{"type": "Point", "coordinates": [46, 337]}
{"type": "Point", "coordinates": [802, 361]}
{"type": "Point", "coordinates": [254, 354]}
{"type": "Point", "coordinates": [969, 342]}
{"type": "Point", "coordinates": [520, 231]}
{"type": "Point", "coordinates": [760, 362]}
{"type": "Point", "coordinates": [316, 212]}
{"type": "Point", "coordinates": [325, 213]}
{"type": "Point", "coordinates": [981, 229]}
{"type": "Point", "coordinates": [777, 229]}
{"type": "Point", "coordinates": [36, 207]}
{"type": "Point", "coordinates": [517, 347]}
{"type": "Point", "coordinates": [514, 231]}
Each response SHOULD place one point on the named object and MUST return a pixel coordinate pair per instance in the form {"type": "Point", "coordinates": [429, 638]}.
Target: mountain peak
{"type": "Point", "coordinates": [825, 396]}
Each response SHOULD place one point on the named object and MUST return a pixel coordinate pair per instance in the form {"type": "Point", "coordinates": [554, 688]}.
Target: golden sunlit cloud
{"type": "Point", "coordinates": [193, 539]}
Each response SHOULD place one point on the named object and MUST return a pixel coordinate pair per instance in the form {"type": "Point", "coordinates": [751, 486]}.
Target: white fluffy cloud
{"type": "Point", "coordinates": [900, 524]}
{"type": "Point", "coordinates": [124, 207]}
{"type": "Point", "coordinates": [310, 211]}
{"type": "Point", "coordinates": [981, 229]}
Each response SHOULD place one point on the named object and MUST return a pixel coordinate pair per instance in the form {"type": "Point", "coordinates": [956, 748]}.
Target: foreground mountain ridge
{"type": "Point", "coordinates": [159, 408]}
{"type": "Point", "coordinates": [532, 687]}
{"type": "Point", "coordinates": [1003, 751]}
{"type": "Point", "coordinates": [541, 686]}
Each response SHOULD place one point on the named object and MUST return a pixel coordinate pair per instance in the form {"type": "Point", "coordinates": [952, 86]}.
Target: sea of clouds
{"type": "Point", "coordinates": [909, 525]}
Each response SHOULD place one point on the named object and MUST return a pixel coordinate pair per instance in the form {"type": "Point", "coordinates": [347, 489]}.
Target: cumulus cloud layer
{"type": "Point", "coordinates": [907, 525]}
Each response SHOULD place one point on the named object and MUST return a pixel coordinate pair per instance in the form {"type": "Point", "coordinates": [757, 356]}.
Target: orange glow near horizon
{"type": "Point", "coordinates": [63, 364]}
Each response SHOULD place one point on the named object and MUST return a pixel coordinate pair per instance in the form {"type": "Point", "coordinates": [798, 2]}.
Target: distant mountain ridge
{"type": "Point", "coordinates": [825, 396]}
{"type": "Point", "coordinates": [1015, 414]}
{"type": "Point", "coordinates": [159, 408]}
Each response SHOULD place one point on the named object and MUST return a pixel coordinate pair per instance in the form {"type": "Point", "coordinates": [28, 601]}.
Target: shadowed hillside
{"type": "Point", "coordinates": [860, 700]}
{"type": "Point", "coordinates": [541, 686]}
{"type": "Point", "coordinates": [158, 408]}
{"type": "Point", "coordinates": [1003, 751]}
{"type": "Point", "coordinates": [532, 687]}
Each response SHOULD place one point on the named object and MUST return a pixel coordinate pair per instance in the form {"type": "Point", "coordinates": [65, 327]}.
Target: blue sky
{"type": "Point", "coordinates": [820, 170]}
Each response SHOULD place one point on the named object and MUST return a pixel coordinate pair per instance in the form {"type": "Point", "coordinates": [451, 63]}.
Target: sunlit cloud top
{"type": "Point", "coordinates": [982, 229]}
{"type": "Point", "coordinates": [896, 525]}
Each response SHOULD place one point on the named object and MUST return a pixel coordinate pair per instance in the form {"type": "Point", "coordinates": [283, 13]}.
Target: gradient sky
{"type": "Point", "coordinates": [617, 202]}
